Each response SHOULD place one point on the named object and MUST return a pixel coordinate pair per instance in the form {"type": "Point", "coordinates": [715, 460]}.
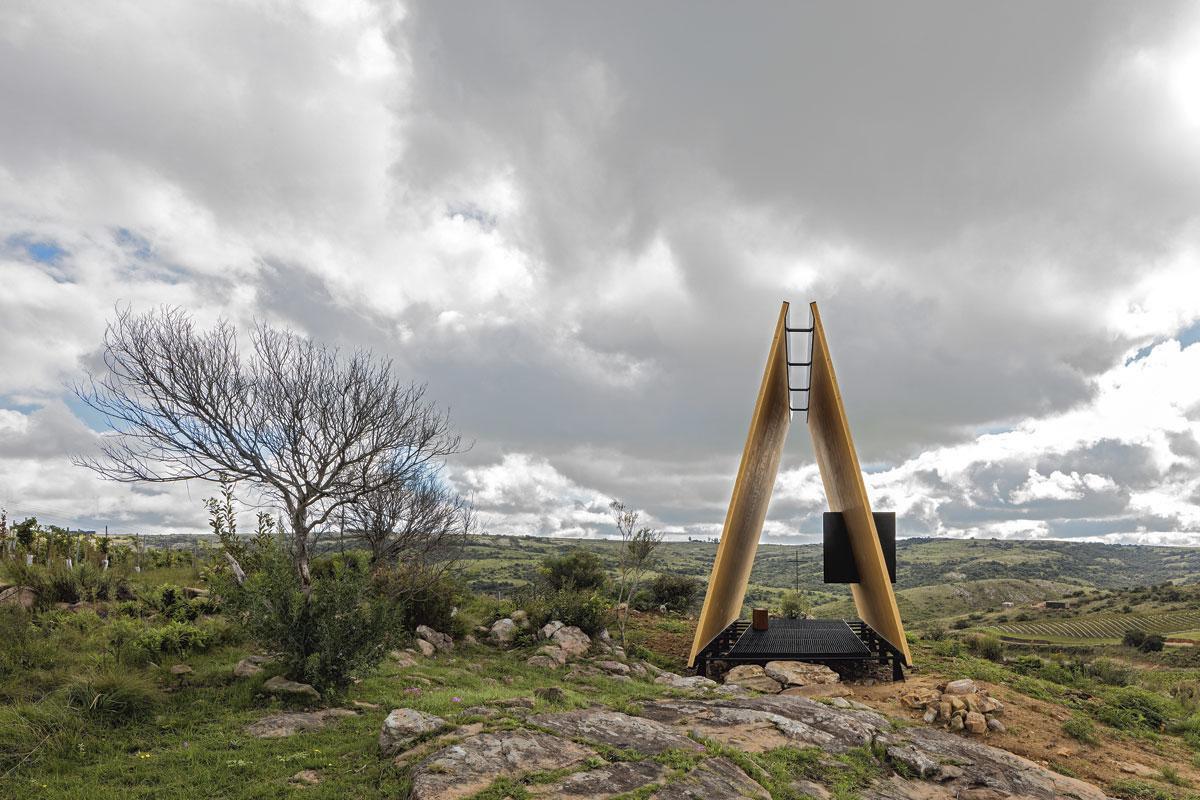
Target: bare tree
{"type": "Point", "coordinates": [311, 428]}
{"type": "Point", "coordinates": [419, 524]}
{"type": "Point", "coordinates": [633, 558]}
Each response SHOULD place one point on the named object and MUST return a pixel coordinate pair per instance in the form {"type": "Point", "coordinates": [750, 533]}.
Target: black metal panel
{"type": "Point", "coordinates": [801, 639]}
{"type": "Point", "coordinates": [839, 559]}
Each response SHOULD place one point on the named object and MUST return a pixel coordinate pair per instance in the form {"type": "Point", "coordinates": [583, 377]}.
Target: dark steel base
{"type": "Point", "coordinates": [823, 641]}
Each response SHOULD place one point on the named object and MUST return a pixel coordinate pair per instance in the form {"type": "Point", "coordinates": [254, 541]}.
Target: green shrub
{"type": "Point", "coordinates": [986, 646]}
{"type": "Point", "coordinates": [1110, 672]}
{"type": "Point", "coordinates": [1132, 708]}
{"type": "Point", "coordinates": [113, 697]}
{"type": "Point", "coordinates": [677, 592]}
{"type": "Point", "coordinates": [1027, 665]}
{"type": "Point", "coordinates": [793, 605]}
{"type": "Point", "coordinates": [57, 584]}
{"type": "Point", "coordinates": [418, 598]}
{"type": "Point", "coordinates": [1133, 638]}
{"type": "Point", "coordinates": [935, 632]}
{"type": "Point", "coordinates": [342, 626]}
{"type": "Point", "coordinates": [576, 569]}
{"type": "Point", "coordinates": [1081, 728]}
{"type": "Point", "coordinates": [586, 610]}
{"type": "Point", "coordinates": [1153, 643]}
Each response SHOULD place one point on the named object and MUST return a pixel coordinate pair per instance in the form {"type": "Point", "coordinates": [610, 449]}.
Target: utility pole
{"type": "Point", "coordinates": [796, 563]}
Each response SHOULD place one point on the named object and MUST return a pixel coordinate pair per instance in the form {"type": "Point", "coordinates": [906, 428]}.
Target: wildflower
{"type": "Point", "coordinates": [455, 699]}
{"type": "Point", "coordinates": [143, 755]}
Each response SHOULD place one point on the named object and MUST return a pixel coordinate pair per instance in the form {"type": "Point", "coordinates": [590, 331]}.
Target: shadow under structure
{"type": "Point", "coordinates": [859, 545]}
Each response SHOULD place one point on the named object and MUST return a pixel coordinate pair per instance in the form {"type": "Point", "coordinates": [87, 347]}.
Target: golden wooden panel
{"type": "Point", "coordinates": [751, 494]}
{"type": "Point", "coordinates": [847, 493]}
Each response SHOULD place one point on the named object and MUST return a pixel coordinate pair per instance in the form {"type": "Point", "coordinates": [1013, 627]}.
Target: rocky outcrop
{"type": "Point", "coordinates": [440, 641]}
{"type": "Point", "coordinates": [22, 596]}
{"type": "Point", "coordinates": [282, 687]}
{"type": "Point", "coordinates": [800, 673]}
{"type": "Point", "coordinates": [752, 676]}
{"type": "Point", "coordinates": [925, 763]}
{"type": "Point", "coordinates": [403, 727]}
{"type": "Point", "coordinates": [278, 726]}
{"type": "Point", "coordinates": [503, 632]}
{"type": "Point", "coordinates": [563, 643]}
{"type": "Point", "coordinates": [470, 766]}
{"type": "Point", "coordinates": [249, 666]}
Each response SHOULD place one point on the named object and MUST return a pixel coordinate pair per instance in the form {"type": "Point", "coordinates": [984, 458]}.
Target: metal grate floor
{"type": "Point", "coordinates": [801, 638]}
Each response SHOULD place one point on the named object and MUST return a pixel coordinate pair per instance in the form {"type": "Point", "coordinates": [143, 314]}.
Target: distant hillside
{"type": "Point", "coordinates": [949, 599]}
{"type": "Point", "coordinates": [501, 563]}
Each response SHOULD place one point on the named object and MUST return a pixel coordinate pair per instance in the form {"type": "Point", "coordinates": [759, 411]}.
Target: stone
{"type": "Point", "coordinates": [990, 705]}
{"type": "Point", "coordinates": [613, 667]}
{"type": "Point", "coordinates": [995, 725]}
{"type": "Point", "coordinates": [282, 687]}
{"type": "Point", "coordinates": [544, 662]}
{"type": "Point", "coordinates": [611, 780]}
{"type": "Point", "coordinates": [960, 686]}
{"type": "Point", "coordinates": [521, 618]}
{"type": "Point", "coordinates": [470, 766]}
{"type": "Point", "coordinates": [800, 673]}
{"type": "Point", "coordinates": [839, 702]}
{"type": "Point", "coordinates": [278, 726]}
{"type": "Point", "coordinates": [573, 641]}
{"type": "Point", "coordinates": [427, 649]}
{"type": "Point", "coordinates": [553, 651]}
{"type": "Point", "coordinates": [440, 641]}
{"type": "Point", "coordinates": [817, 690]}
{"type": "Point", "coordinates": [957, 704]}
{"type": "Point", "coordinates": [931, 715]}
{"type": "Point", "coordinates": [192, 592]}
{"type": "Point", "coordinates": [22, 596]}
{"type": "Point", "coordinates": [917, 699]}
{"type": "Point", "coordinates": [179, 670]}
{"type": "Point", "coordinates": [503, 632]}
{"type": "Point", "coordinates": [975, 723]}
{"type": "Point", "coordinates": [752, 676]}
{"type": "Point", "coordinates": [956, 723]}
{"type": "Point", "coordinates": [551, 694]}
{"type": "Point", "coordinates": [249, 666]}
{"type": "Point", "coordinates": [403, 726]}
{"type": "Point", "coordinates": [713, 778]}
{"type": "Point", "coordinates": [305, 777]}
{"type": "Point", "coordinates": [615, 729]}
{"type": "Point", "coordinates": [363, 704]}
{"type": "Point", "coordinates": [972, 703]}
{"type": "Point", "coordinates": [680, 682]}
{"type": "Point", "coordinates": [945, 711]}
{"type": "Point", "coordinates": [403, 658]}
{"type": "Point", "coordinates": [549, 629]}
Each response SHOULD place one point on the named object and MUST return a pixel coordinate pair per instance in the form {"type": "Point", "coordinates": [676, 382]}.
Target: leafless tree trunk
{"type": "Point", "coordinates": [310, 427]}
{"type": "Point", "coordinates": [633, 558]}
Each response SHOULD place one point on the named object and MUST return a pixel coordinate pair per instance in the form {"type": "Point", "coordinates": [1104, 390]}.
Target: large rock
{"type": "Point", "coordinates": [427, 649]}
{"type": "Point", "coordinates": [278, 726]}
{"type": "Point", "coordinates": [800, 673]}
{"type": "Point", "coordinates": [470, 766]}
{"type": "Point", "coordinates": [960, 686]}
{"type": "Point", "coordinates": [282, 687]}
{"type": "Point", "coordinates": [752, 676]}
{"type": "Point", "coordinates": [975, 723]}
{"type": "Point", "coordinates": [612, 780]}
{"type": "Point", "coordinates": [22, 596]}
{"type": "Point", "coordinates": [404, 726]}
{"type": "Point", "coordinates": [440, 641]}
{"type": "Point", "coordinates": [573, 641]}
{"type": "Point", "coordinates": [550, 628]}
{"type": "Point", "coordinates": [503, 632]}
{"type": "Point", "coordinates": [680, 682]}
{"type": "Point", "coordinates": [615, 729]}
{"type": "Point", "coordinates": [249, 666]}
{"type": "Point", "coordinates": [713, 778]}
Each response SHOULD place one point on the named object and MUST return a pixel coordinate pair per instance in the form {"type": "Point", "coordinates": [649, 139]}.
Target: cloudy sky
{"type": "Point", "coordinates": [576, 221]}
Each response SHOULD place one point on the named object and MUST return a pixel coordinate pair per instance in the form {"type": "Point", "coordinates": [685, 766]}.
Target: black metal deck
{"type": "Point", "coordinates": [815, 640]}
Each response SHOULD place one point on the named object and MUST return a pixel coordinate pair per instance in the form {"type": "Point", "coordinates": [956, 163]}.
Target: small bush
{"type": "Point", "coordinates": [113, 697]}
{"type": "Point", "coordinates": [1153, 643]}
{"type": "Point", "coordinates": [1133, 638]}
{"type": "Point", "coordinates": [341, 626]}
{"type": "Point", "coordinates": [576, 569]}
{"type": "Point", "coordinates": [586, 610]}
{"type": "Point", "coordinates": [793, 605]}
{"type": "Point", "coordinates": [986, 646]}
{"type": "Point", "coordinates": [677, 592]}
{"type": "Point", "coordinates": [1132, 708]}
{"type": "Point", "coordinates": [1027, 665]}
{"type": "Point", "coordinates": [960, 624]}
{"type": "Point", "coordinates": [935, 632]}
{"type": "Point", "coordinates": [1080, 728]}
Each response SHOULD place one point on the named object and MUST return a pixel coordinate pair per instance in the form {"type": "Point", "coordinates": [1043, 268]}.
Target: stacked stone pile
{"type": "Point", "coordinates": [959, 705]}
